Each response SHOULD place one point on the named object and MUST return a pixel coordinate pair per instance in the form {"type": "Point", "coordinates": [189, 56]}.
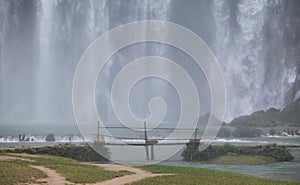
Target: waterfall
{"type": "Point", "coordinates": [252, 51]}
{"type": "Point", "coordinates": [41, 42]}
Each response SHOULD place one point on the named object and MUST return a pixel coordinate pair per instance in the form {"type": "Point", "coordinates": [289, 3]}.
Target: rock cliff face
{"type": "Point", "coordinates": [291, 113]}
{"type": "Point", "coordinates": [272, 117]}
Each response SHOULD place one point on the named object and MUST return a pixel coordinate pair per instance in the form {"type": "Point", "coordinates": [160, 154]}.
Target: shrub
{"type": "Point", "coordinates": [77, 152]}
{"type": "Point", "coordinates": [279, 153]}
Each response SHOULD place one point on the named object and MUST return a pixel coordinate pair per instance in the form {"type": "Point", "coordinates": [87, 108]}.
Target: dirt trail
{"type": "Point", "coordinates": [139, 174]}
{"type": "Point", "coordinates": [12, 158]}
{"type": "Point", "coordinates": [54, 178]}
{"type": "Point", "coordinates": [23, 155]}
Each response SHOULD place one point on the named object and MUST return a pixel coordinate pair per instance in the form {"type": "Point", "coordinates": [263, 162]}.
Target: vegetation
{"type": "Point", "coordinates": [12, 172]}
{"type": "Point", "coordinates": [15, 172]}
{"type": "Point", "coordinates": [278, 153]}
{"type": "Point", "coordinates": [191, 176]}
{"type": "Point", "coordinates": [18, 172]}
{"type": "Point", "coordinates": [77, 152]}
{"type": "Point", "coordinates": [75, 172]}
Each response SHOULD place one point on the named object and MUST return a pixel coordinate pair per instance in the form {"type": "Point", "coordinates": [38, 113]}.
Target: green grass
{"type": "Point", "coordinates": [75, 172]}
{"type": "Point", "coordinates": [12, 172]}
{"type": "Point", "coordinates": [192, 176]}
{"type": "Point", "coordinates": [184, 170]}
{"type": "Point", "coordinates": [241, 159]}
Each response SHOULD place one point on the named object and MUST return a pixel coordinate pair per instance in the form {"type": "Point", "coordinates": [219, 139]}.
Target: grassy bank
{"type": "Point", "coordinates": [18, 172]}
{"type": "Point", "coordinates": [12, 172]}
{"type": "Point", "coordinates": [192, 176]}
{"type": "Point", "coordinates": [76, 172]}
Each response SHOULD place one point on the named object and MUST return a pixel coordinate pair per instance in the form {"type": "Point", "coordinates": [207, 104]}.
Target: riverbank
{"type": "Point", "coordinates": [284, 171]}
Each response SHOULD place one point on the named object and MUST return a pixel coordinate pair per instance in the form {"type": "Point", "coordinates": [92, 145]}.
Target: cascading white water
{"type": "Point", "coordinates": [254, 80]}
{"type": "Point", "coordinates": [3, 20]}
{"type": "Point", "coordinates": [41, 42]}
{"type": "Point", "coordinates": [46, 27]}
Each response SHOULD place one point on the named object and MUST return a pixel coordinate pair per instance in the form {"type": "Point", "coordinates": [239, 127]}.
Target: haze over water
{"type": "Point", "coordinates": [41, 42]}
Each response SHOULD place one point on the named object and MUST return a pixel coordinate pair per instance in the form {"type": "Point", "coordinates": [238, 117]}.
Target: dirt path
{"type": "Point", "coordinates": [12, 158]}
{"type": "Point", "coordinates": [57, 179]}
{"type": "Point", "coordinates": [54, 178]}
{"type": "Point", "coordinates": [139, 174]}
{"type": "Point", "coordinates": [23, 155]}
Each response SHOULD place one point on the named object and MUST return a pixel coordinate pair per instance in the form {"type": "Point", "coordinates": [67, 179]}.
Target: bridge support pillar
{"type": "Point", "coordinates": [149, 149]}
{"type": "Point", "coordinates": [152, 152]}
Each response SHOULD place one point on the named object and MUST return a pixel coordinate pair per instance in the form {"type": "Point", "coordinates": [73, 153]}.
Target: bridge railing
{"type": "Point", "coordinates": [147, 138]}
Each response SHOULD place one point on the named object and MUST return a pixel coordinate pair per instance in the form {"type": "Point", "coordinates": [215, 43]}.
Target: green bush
{"type": "Point", "coordinates": [77, 152]}
{"type": "Point", "coordinates": [279, 153]}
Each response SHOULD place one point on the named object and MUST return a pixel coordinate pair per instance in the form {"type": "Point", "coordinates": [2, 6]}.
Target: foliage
{"type": "Point", "coordinates": [77, 152]}
{"type": "Point", "coordinates": [278, 153]}
{"type": "Point", "coordinates": [75, 172]}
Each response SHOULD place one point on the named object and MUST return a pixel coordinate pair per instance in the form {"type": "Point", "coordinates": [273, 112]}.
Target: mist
{"type": "Point", "coordinates": [41, 43]}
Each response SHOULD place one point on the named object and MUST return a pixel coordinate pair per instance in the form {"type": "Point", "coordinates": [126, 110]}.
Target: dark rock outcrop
{"type": "Point", "coordinates": [272, 117]}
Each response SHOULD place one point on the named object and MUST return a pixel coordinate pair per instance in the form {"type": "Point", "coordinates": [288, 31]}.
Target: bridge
{"type": "Point", "coordinates": [146, 141]}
